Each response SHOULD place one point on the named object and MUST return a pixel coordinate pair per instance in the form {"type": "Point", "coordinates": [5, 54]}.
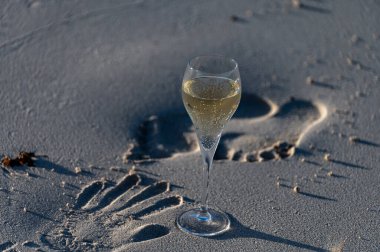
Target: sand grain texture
{"type": "Point", "coordinates": [96, 85]}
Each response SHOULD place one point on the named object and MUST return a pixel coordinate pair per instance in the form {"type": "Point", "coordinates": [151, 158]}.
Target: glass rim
{"type": "Point", "coordinates": [215, 56]}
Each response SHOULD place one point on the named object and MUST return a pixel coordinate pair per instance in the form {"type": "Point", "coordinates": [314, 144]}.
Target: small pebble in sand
{"type": "Point", "coordinates": [359, 94]}
{"type": "Point", "coordinates": [349, 61]}
{"type": "Point", "coordinates": [63, 183]}
{"type": "Point", "coordinates": [91, 166]}
{"type": "Point", "coordinates": [309, 80]}
{"type": "Point", "coordinates": [248, 13]}
{"type": "Point", "coordinates": [296, 3]}
{"type": "Point", "coordinates": [330, 174]}
{"type": "Point", "coordinates": [296, 189]}
{"type": "Point", "coordinates": [353, 139]}
{"type": "Point", "coordinates": [354, 39]}
{"type": "Point", "coordinates": [327, 157]}
{"type": "Point", "coordinates": [77, 170]}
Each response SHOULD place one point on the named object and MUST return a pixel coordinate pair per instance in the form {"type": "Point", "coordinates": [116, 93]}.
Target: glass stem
{"type": "Point", "coordinates": [208, 156]}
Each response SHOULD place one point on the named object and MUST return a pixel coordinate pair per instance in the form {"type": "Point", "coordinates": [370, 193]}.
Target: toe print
{"type": "Point", "coordinates": [126, 209]}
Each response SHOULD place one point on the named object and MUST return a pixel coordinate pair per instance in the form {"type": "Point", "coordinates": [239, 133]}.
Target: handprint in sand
{"type": "Point", "coordinates": [108, 215]}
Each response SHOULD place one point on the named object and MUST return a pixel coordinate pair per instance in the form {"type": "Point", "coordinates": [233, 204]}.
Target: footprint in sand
{"type": "Point", "coordinates": [259, 131]}
{"type": "Point", "coordinates": [108, 215]}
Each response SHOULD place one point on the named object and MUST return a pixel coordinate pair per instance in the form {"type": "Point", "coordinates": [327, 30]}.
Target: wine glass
{"type": "Point", "coordinates": [211, 91]}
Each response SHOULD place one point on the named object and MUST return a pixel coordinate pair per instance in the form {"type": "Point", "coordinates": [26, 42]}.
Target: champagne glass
{"type": "Point", "coordinates": [211, 92]}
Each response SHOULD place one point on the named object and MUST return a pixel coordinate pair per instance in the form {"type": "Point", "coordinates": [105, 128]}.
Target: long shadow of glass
{"type": "Point", "coordinates": [238, 230]}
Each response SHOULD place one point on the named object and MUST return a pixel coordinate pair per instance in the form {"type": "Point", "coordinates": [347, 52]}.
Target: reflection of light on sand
{"type": "Point", "coordinates": [323, 112]}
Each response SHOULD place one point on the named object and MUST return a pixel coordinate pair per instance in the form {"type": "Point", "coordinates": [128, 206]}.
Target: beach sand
{"type": "Point", "coordinates": [93, 89]}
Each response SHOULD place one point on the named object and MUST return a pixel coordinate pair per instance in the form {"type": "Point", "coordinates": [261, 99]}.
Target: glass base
{"type": "Point", "coordinates": [203, 223]}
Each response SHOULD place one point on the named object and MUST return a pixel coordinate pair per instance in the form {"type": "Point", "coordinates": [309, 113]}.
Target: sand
{"type": "Point", "coordinates": [93, 88]}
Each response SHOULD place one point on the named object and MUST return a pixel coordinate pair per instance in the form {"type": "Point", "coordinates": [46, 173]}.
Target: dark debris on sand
{"type": "Point", "coordinates": [23, 158]}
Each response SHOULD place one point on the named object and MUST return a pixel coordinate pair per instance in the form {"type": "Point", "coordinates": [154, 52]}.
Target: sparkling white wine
{"type": "Point", "coordinates": [211, 102]}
